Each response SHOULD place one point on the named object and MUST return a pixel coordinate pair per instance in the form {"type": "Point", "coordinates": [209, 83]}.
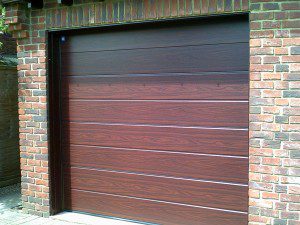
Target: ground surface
{"type": "Point", "coordinates": [11, 213]}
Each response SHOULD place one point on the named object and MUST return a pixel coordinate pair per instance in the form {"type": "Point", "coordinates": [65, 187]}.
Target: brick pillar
{"type": "Point", "coordinates": [17, 19]}
{"type": "Point", "coordinates": [274, 112]}
{"type": "Point", "coordinates": [29, 29]}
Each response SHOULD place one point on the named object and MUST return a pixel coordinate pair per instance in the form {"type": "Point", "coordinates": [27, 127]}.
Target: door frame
{"type": "Point", "coordinates": [54, 94]}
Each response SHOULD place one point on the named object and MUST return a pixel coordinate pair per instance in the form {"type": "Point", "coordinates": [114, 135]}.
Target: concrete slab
{"type": "Point", "coordinates": [19, 220]}
{"type": "Point", "coordinates": [89, 220]}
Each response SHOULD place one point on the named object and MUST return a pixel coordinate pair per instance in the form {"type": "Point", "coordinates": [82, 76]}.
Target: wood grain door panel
{"type": "Point", "coordinates": [154, 122]}
{"type": "Point", "coordinates": [152, 211]}
{"type": "Point", "coordinates": [192, 192]}
{"type": "Point", "coordinates": [174, 113]}
{"type": "Point", "coordinates": [185, 59]}
{"type": "Point", "coordinates": [163, 36]}
{"type": "Point", "coordinates": [230, 86]}
{"type": "Point", "coordinates": [192, 166]}
{"type": "Point", "coordinates": [164, 138]}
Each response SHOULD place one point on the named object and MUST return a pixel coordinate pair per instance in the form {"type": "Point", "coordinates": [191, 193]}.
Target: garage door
{"type": "Point", "coordinates": [155, 122]}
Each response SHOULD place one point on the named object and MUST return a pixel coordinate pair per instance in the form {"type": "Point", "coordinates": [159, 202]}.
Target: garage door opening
{"type": "Point", "coordinates": [151, 121]}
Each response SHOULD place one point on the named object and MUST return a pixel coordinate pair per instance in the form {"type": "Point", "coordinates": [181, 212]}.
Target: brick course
{"type": "Point", "coordinates": [274, 143]}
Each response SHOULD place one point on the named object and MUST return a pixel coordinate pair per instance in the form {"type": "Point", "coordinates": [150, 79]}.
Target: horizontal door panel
{"type": "Point", "coordinates": [160, 35]}
{"type": "Point", "coordinates": [210, 141]}
{"type": "Point", "coordinates": [214, 58]}
{"type": "Point", "coordinates": [191, 166]}
{"type": "Point", "coordinates": [218, 114]}
{"type": "Point", "coordinates": [150, 211]}
{"type": "Point", "coordinates": [230, 197]}
{"type": "Point", "coordinates": [188, 87]}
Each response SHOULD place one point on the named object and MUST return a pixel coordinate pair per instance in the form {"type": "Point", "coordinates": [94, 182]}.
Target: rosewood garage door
{"type": "Point", "coordinates": [155, 122]}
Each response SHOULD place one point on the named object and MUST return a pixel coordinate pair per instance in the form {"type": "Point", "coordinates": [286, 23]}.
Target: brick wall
{"type": "Point", "coordinates": [29, 29]}
{"type": "Point", "coordinates": [274, 91]}
{"type": "Point", "coordinates": [274, 112]}
{"type": "Point", "coordinates": [90, 14]}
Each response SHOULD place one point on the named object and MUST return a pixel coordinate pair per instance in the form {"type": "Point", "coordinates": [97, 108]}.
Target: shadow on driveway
{"type": "Point", "coordinates": [10, 198]}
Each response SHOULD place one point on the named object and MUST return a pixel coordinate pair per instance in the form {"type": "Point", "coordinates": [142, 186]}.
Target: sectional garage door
{"type": "Point", "coordinates": [155, 122]}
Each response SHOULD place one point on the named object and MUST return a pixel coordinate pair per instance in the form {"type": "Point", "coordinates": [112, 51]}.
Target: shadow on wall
{"type": "Point", "coordinates": [9, 125]}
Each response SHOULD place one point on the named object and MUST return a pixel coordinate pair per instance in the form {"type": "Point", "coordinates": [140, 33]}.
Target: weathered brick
{"type": "Point", "coordinates": [291, 94]}
{"type": "Point", "coordinates": [290, 215]}
{"type": "Point", "coordinates": [280, 206]}
{"type": "Point", "coordinates": [294, 222]}
{"type": "Point", "coordinates": [262, 34]}
{"type": "Point", "coordinates": [281, 119]}
{"type": "Point", "coordinates": [294, 207]}
{"type": "Point", "coordinates": [291, 59]}
{"type": "Point", "coordinates": [295, 50]}
{"type": "Point", "coordinates": [281, 189]}
{"type": "Point", "coordinates": [290, 127]}
{"type": "Point", "coordinates": [270, 6]}
{"type": "Point", "coordinates": [271, 59]}
{"type": "Point", "coordinates": [291, 42]}
{"type": "Point", "coordinates": [261, 16]}
{"type": "Point", "coordinates": [264, 135]}
{"type": "Point", "coordinates": [295, 154]}
{"type": "Point", "coordinates": [291, 5]}
{"type": "Point", "coordinates": [294, 85]}
{"type": "Point", "coordinates": [255, 60]}
{"type": "Point", "coordinates": [270, 110]}
{"type": "Point", "coordinates": [294, 172]}
{"type": "Point", "coordinates": [271, 76]}
{"type": "Point", "coordinates": [262, 203]}
{"type": "Point", "coordinates": [262, 85]}
{"type": "Point", "coordinates": [281, 51]}
{"type": "Point", "coordinates": [282, 136]}
{"type": "Point", "coordinates": [294, 119]}
{"type": "Point", "coordinates": [291, 24]}
{"type": "Point", "coordinates": [292, 76]}
{"type": "Point", "coordinates": [282, 68]}
{"type": "Point", "coordinates": [271, 94]}
{"type": "Point", "coordinates": [261, 118]}
{"type": "Point", "coordinates": [291, 145]}
{"type": "Point", "coordinates": [275, 144]}
{"type": "Point", "coordinates": [295, 67]}
{"type": "Point", "coordinates": [295, 111]}
{"type": "Point", "coordinates": [295, 33]}
{"type": "Point", "coordinates": [271, 161]}
{"type": "Point", "coordinates": [279, 222]}
{"type": "Point", "coordinates": [255, 43]}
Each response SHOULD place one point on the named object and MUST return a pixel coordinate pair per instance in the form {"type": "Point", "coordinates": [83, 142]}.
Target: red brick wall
{"type": "Point", "coordinates": [274, 112]}
{"type": "Point", "coordinates": [274, 92]}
